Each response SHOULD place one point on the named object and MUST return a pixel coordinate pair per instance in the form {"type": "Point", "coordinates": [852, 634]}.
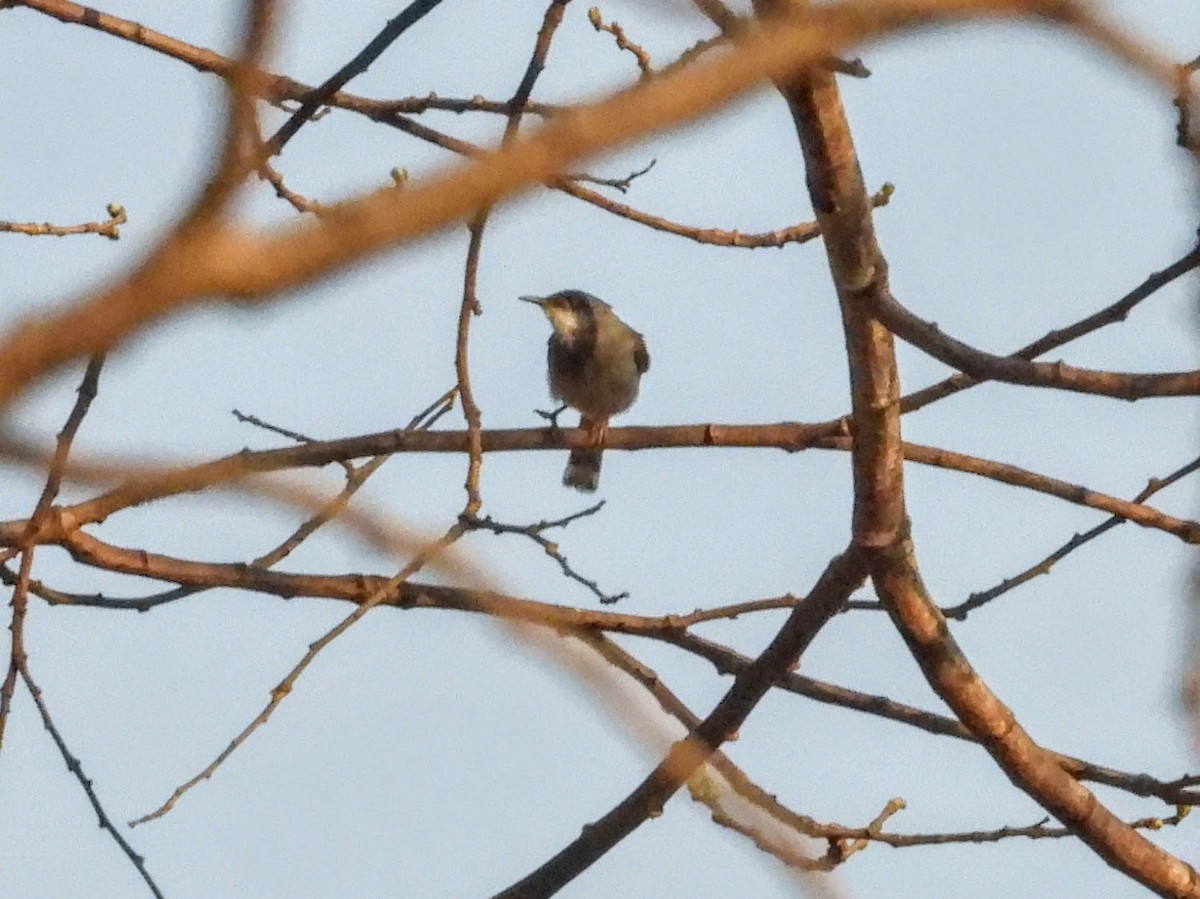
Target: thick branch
{"type": "Point", "coordinates": [794, 437]}
{"type": "Point", "coordinates": [1031, 767]}
{"type": "Point", "coordinates": [880, 521]}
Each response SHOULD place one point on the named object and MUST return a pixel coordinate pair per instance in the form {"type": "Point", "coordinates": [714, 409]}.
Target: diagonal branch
{"type": "Point", "coordinates": [980, 598]}
{"type": "Point", "coordinates": [843, 575]}
{"type": "Point", "coordinates": [983, 366]}
{"type": "Point", "coordinates": [319, 96]}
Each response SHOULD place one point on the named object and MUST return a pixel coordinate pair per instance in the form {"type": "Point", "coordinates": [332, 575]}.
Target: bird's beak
{"type": "Point", "coordinates": [537, 301]}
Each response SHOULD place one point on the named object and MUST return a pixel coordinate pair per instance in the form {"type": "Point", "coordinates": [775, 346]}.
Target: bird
{"type": "Point", "coordinates": [595, 365]}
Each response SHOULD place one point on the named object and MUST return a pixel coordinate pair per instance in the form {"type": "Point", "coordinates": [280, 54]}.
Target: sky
{"type": "Point", "coordinates": [433, 754]}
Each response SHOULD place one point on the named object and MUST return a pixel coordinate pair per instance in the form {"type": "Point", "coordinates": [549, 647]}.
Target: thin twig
{"type": "Point", "coordinates": [470, 301]}
{"type": "Point", "coordinates": [983, 597]}
{"type": "Point", "coordinates": [535, 533]}
{"type": "Point", "coordinates": [109, 228]}
{"type": "Point", "coordinates": [76, 769]}
{"type": "Point", "coordinates": [1038, 831]}
{"type": "Point", "coordinates": [18, 658]}
{"type": "Point", "coordinates": [299, 202]}
{"type": "Point", "coordinates": [284, 687]}
{"type": "Point", "coordinates": [621, 184]}
{"type": "Point", "coordinates": [645, 70]}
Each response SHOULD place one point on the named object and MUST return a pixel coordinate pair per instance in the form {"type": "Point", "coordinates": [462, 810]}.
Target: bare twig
{"type": "Point", "coordinates": [18, 659]}
{"type": "Point", "coordinates": [535, 532]}
{"type": "Point", "coordinates": [623, 42]}
{"type": "Point", "coordinates": [76, 769]}
{"type": "Point", "coordinates": [299, 202]}
{"type": "Point", "coordinates": [109, 228]}
{"type": "Point", "coordinates": [983, 597]}
{"type": "Point", "coordinates": [621, 184]}
{"type": "Point", "coordinates": [284, 687]}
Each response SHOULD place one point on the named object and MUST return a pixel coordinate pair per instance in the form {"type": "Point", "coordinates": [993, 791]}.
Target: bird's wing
{"type": "Point", "coordinates": [641, 358]}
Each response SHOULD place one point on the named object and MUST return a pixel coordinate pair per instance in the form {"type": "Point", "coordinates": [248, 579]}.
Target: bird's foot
{"type": "Point", "coordinates": [552, 417]}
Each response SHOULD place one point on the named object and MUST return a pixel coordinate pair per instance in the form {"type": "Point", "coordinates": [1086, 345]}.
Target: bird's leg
{"type": "Point", "coordinates": [597, 432]}
{"type": "Point", "coordinates": [583, 465]}
{"type": "Point", "coordinates": [552, 417]}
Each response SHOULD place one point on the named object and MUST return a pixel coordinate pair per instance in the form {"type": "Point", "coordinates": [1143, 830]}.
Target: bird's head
{"type": "Point", "coordinates": [569, 311]}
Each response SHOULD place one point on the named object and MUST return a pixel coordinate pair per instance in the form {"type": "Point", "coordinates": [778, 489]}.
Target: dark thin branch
{"type": "Point", "coordinates": [76, 769]}
{"type": "Point", "coordinates": [621, 184]}
{"type": "Point", "coordinates": [535, 532]}
{"type": "Point", "coordinates": [983, 597]}
{"type": "Point", "coordinates": [359, 64]}
{"type": "Point", "coordinates": [19, 658]}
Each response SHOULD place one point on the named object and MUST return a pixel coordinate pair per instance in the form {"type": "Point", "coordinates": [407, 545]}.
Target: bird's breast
{"type": "Point", "coordinates": [600, 380]}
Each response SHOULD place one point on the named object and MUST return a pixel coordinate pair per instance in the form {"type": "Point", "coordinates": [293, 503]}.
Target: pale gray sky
{"type": "Point", "coordinates": [429, 754]}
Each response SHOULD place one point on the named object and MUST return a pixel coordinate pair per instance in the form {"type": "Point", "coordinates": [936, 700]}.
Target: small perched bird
{"type": "Point", "coordinates": [595, 362]}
